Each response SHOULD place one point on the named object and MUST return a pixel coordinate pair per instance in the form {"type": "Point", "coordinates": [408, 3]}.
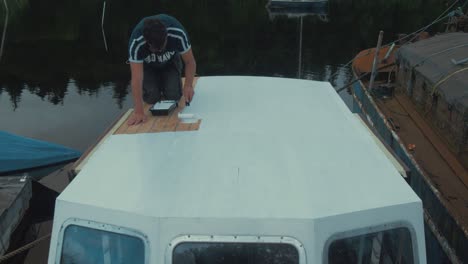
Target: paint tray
{"type": "Point", "coordinates": [163, 108]}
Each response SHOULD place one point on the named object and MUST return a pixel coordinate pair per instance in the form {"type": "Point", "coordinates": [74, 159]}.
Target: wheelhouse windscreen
{"type": "Point", "coordinates": [390, 246]}
{"type": "Point", "coordinates": [234, 253]}
{"type": "Point", "coordinates": [83, 245]}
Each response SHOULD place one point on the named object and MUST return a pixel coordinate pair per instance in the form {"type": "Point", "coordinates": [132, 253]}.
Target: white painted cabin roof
{"type": "Point", "coordinates": [266, 148]}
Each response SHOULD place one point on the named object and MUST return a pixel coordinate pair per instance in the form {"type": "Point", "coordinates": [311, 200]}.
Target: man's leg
{"type": "Point", "coordinates": [151, 85]}
{"type": "Point", "coordinates": [171, 79]}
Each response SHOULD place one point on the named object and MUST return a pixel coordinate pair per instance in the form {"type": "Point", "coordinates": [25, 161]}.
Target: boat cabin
{"type": "Point", "coordinates": [276, 171]}
{"type": "Point", "coordinates": [433, 73]}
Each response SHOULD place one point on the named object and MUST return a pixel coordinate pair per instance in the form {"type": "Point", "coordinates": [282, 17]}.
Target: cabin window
{"type": "Point", "coordinates": [230, 252]}
{"type": "Point", "coordinates": [87, 245]}
{"type": "Point", "coordinates": [389, 246]}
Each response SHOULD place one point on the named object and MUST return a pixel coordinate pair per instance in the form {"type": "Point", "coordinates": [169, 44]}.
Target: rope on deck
{"type": "Point", "coordinates": [23, 248]}
{"type": "Point", "coordinates": [436, 86]}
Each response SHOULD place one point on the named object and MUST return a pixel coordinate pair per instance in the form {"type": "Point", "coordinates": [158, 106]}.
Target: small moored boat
{"type": "Point", "coordinates": [35, 158]}
{"type": "Point", "coordinates": [297, 3]}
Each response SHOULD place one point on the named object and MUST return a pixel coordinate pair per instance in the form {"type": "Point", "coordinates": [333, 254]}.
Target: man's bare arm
{"type": "Point", "coordinates": [138, 115]}
{"type": "Point", "coordinates": [190, 69]}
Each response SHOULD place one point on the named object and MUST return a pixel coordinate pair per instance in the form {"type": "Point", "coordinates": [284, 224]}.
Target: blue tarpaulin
{"type": "Point", "coordinates": [20, 153]}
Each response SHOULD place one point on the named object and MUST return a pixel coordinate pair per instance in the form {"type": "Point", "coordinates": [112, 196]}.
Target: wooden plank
{"type": "Point", "coordinates": [448, 156]}
{"type": "Point", "coordinates": [124, 126]}
{"type": "Point", "coordinates": [172, 122]}
{"type": "Point", "coordinates": [182, 126]}
{"type": "Point", "coordinates": [84, 158]}
{"type": "Point", "coordinates": [161, 124]}
{"type": "Point", "coordinates": [156, 123]}
{"type": "Point", "coordinates": [132, 129]}
{"type": "Point", "coordinates": [195, 126]}
{"type": "Point", "coordinates": [146, 127]}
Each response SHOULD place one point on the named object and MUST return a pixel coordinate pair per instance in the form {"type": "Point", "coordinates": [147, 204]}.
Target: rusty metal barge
{"type": "Point", "coordinates": [418, 104]}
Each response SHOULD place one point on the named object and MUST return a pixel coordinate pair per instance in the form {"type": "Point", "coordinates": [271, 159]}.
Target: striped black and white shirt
{"type": "Point", "coordinates": [177, 42]}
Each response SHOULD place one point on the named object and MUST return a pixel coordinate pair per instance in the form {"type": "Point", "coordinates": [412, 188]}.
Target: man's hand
{"type": "Point", "coordinates": [137, 79]}
{"type": "Point", "coordinates": [188, 93]}
{"type": "Point", "coordinates": [190, 69]}
{"type": "Point", "coordinates": [136, 118]}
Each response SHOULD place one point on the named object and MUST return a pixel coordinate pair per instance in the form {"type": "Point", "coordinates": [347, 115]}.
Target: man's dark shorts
{"type": "Point", "coordinates": [163, 83]}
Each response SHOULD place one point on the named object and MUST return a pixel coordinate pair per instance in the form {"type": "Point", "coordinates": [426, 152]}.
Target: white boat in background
{"type": "Point", "coordinates": [294, 12]}
{"type": "Point", "coordinates": [267, 170]}
{"type": "Point", "coordinates": [297, 3]}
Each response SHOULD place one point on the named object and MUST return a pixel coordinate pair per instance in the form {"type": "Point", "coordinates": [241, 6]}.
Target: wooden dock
{"type": "Point", "coordinates": [15, 196]}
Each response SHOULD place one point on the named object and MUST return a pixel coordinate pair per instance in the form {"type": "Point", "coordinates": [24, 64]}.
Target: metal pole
{"type": "Point", "coordinates": [376, 61]}
{"type": "Point", "coordinates": [4, 29]}
{"type": "Point", "coordinates": [300, 50]}
{"type": "Point", "coordinates": [389, 51]}
{"type": "Point", "coordinates": [460, 61]}
{"type": "Point", "coordinates": [102, 25]}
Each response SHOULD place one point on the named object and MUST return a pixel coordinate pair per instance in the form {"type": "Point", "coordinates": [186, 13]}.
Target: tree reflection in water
{"type": "Point", "coordinates": [52, 43]}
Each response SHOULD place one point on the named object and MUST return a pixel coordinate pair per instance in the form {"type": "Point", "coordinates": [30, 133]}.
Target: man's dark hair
{"type": "Point", "coordinates": [155, 33]}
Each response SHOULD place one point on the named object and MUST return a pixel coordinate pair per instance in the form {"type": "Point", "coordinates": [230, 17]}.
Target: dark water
{"type": "Point", "coordinates": [58, 83]}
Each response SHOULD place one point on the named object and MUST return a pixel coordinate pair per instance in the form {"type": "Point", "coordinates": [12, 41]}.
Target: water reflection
{"type": "Point", "coordinates": [75, 122]}
{"type": "Point", "coordinates": [298, 14]}
{"type": "Point", "coordinates": [55, 48]}
{"type": "Point", "coordinates": [50, 43]}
